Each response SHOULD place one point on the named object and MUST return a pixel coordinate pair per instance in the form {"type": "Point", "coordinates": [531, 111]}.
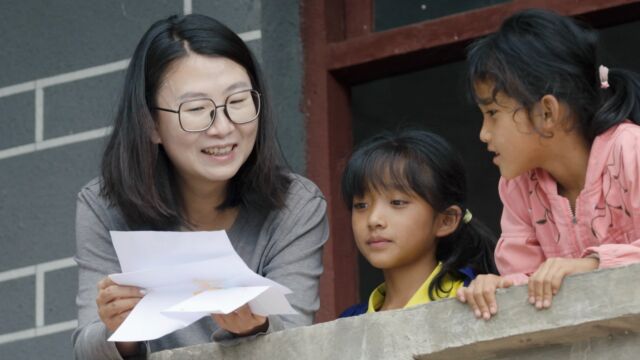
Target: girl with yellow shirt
{"type": "Point", "coordinates": [407, 194]}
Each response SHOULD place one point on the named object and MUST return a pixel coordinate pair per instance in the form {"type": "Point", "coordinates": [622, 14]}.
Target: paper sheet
{"type": "Point", "coordinates": [187, 275]}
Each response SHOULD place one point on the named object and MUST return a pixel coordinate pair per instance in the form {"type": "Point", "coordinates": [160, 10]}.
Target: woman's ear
{"type": "Point", "coordinates": [448, 220]}
{"type": "Point", "coordinates": [155, 135]}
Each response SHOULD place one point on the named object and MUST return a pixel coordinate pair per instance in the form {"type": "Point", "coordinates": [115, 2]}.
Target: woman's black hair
{"type": "Point", "coordinates": [537, 52]}
{"type": "Point", "coordinates": [138, 177]}
{"type": "Point", "coordinates": [422, 163]}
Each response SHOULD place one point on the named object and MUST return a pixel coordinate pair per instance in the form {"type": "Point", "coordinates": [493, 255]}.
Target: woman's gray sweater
{"type": "Point", "coordinates": [284, 245]}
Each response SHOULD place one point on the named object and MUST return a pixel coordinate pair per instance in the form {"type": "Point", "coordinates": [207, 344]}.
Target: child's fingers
{"type": "Point", "coordinates": [551, 276]}
{"type": "Point", "coordinates": [482, 295]}
{"type": "Point", "coordinates": [547, 292]}
{"type": "Point", "coordinates": [531, 286]}
{"type": "Point", "coordinates": [553, 279]}
{"type": "Point", "coordinates": [460, 295]}
{"type": "Point", "coordinates": [531, 293]}
{"type": "Point", "coordinates": [505, 283]}
{"type": "Point", "coordinates": [493, 304]}
{"type": "Point", "coordinates": [490, 299]}
{"type": "Point", "coordinates": [471, 300]}
{"type": "Point", "coordinates": [536, 286]}
{"type": "Point", "coordinates": [533, 282]}
{"type": "Point", "coordinates": [556, 281]}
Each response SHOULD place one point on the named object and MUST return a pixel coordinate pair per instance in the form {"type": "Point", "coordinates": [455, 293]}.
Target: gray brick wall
{"type": "Point", "coordinates": [63, 63]}
{"type": "Point", "coordinates": [19, 301]}
{"type": "Point", "coordinates": [14, 130]}
{"type": "Point", "coordinates": [80, 106]}
{"type": "Point", "coordinates": [60, 291]}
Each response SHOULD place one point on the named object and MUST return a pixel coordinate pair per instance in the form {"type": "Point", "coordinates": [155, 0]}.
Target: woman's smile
{"type": "Point", "coordinates": [219, 150]}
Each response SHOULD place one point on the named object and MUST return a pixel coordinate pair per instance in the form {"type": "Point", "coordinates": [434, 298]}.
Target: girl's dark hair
{"type": "Point", "coordinates": [537, 52]}
{"type": "Point", "coordinates": [138, 177]}
{"type": "Point", "coordinates": [422, 163]}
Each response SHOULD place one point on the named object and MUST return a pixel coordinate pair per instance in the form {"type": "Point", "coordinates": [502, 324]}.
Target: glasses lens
{"type": "Point", "coordinates": [244, 106]}
{"type": "Point", "coordinates": [195, 115]}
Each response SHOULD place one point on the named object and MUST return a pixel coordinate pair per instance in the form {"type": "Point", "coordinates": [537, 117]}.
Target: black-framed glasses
{"type": "Point", "coordinates": [199, 114]}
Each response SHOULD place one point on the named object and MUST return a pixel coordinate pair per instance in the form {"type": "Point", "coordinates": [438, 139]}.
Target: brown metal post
{"type": "Point", "coordinates": [329, 142]}
{"type": "Point", "coordinates": [358, 18]}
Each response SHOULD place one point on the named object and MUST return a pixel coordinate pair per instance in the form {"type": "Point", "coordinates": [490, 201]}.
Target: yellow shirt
{"type": "Point", "coordinates": [421, 296]}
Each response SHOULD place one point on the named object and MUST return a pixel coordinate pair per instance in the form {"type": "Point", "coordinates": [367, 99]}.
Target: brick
{"type": "Point", "coordinates": [17, 123]}
{"type": "Point", "coordinates": [81, 105]}
{"type": "Point", "coordinates": [61, 287]}
{"type": "Point", "coordinates": [17, 304]}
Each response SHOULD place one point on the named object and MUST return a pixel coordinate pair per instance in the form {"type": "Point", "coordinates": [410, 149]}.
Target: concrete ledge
{"type": "Point", "coordinates": [595, 316]}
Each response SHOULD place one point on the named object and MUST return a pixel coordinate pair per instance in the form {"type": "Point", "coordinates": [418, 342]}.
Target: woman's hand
{"type": "Point", "coordinates": [242, 322]}
{"type": "Point", "coordinates": [546, 281]}
{"type": "Point", "coordinates": [481, 294]}
{"type": "Point", "coordinates": [115, 302]}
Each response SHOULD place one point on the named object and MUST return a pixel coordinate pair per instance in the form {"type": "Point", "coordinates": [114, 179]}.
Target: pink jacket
{"type": "Point", "coordinates": [538, 224]}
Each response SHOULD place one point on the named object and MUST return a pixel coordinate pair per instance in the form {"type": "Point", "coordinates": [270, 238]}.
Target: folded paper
{"type": "Point", "coordinates": [186, 276]}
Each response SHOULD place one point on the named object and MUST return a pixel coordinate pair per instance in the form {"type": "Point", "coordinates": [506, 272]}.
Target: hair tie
{"type": "Point", "coordinates": [467, 216]}
{"type": "Point", "coordinates": [604, 77]}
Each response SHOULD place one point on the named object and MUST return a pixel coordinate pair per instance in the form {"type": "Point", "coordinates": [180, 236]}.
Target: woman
{"type": "Point", "coordinates": [193, 149]}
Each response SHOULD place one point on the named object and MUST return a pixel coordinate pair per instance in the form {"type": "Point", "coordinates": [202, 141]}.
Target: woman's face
{"type": "Point", "coordinates": [215, 155]}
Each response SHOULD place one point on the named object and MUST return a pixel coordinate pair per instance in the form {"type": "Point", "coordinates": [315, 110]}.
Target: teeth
{"type": "Point", "coordinates": [218, 151]}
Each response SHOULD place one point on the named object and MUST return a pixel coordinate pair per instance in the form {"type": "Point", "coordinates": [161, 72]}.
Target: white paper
{"type": "Point", "coordinates": [220, 301]}
{"type": "Point", "coordinates": [271, 301]}
{"type": "Point", "coordinates": [187, 275]}
{"type": "Point", "coordinates": [147, 321]}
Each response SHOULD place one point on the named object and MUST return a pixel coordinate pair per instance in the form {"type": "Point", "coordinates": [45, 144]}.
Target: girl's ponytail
{"type": "Point", "coordinates": [620, 101]}
{"type": "Point", "coordinates": [483, 240]}
{"type": "Point", "coordinates": [470, 246]}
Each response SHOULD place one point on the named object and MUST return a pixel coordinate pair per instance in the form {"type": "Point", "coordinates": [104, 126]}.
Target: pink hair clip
{"type": "Point", "coordinates": [604, 77]}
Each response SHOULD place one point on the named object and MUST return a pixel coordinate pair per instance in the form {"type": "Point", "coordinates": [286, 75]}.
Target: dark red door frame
{"type": "Point", "coordinates": [340, 49]}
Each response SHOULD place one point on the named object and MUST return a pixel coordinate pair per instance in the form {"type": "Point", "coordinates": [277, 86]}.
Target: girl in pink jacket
{"type": "Point", "coordinates": [565, 137]}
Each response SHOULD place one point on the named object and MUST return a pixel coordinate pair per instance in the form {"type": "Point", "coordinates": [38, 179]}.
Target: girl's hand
{"type": "Point", "coordinates": [481, 294]}
{"type": "Point", "coordinates": [242, 322]}
{"type": "Point", "coordinates": [115, 302]}
{"type": "Point", "coordinates": [546, 281]}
